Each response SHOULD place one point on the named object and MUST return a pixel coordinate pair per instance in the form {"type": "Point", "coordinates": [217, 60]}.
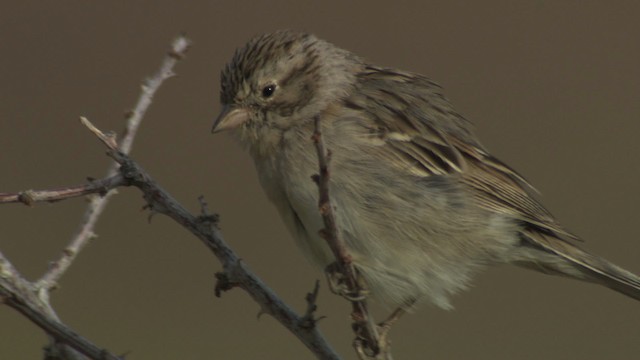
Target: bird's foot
{"type": "Point", "coordinates": [338, 284]}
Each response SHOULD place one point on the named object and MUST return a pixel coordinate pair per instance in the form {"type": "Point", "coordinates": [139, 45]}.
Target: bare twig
{"type": "Point", "coordinates": [31, 197]}
{"type": "Point", "coordinates": [95, 208]}
{"type": "Point", "coordinates": [55, 329]}
{"type": "Point", "coordinates": [10, 279]}
{"type": "Point", "coordinates": [32, 299]}
{"type": "Point", "coordinates": [368, 342]}
{"type": "Point", "coordinates": [21, 295]}
{"type": "Point", "coordinates": [309, 319]}
{"type": "Point", "coordinates": [236, 273]}
{"type": "Point", "coordinates": [178, 51]}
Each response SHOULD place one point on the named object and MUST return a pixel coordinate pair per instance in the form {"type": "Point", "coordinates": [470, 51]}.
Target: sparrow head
{"type": "Point", "coordinates": [281, 80]}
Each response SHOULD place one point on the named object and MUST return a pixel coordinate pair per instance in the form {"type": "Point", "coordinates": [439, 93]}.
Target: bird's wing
{"type": "Point", "coordinates": [428, 137]}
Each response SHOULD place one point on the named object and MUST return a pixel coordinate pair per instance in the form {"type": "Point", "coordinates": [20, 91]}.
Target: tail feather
{"type": "Point", "coordinates": [569, 260]}
{"type": "Point", "coordinates": [607, 274]}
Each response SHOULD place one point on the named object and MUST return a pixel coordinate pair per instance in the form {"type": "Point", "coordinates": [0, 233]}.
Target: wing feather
{"type": "Point", "coordinates": [426, 136]}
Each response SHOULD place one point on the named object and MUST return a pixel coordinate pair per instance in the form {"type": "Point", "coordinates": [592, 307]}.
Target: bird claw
{"type": "Point", "coordinates": [338, 284]}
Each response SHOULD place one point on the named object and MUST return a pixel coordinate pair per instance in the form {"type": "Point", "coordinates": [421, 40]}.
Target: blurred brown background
{"type": "Point", "coordinates": [554, 90]}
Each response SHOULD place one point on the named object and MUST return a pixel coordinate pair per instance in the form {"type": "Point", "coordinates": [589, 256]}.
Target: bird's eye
{"type": "Point", "coordinates": [268, 90]}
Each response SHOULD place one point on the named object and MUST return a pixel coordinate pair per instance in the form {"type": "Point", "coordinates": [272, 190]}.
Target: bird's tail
{"type": "Point", "coordinates": [560, 257]}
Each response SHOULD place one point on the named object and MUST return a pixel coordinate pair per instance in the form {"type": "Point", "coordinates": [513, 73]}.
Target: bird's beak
{"type": "Point", "coordinates": [230, 117]}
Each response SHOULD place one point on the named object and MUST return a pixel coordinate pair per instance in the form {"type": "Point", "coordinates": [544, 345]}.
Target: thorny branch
{"type": "Point", "coordinates": [26, 305]}
{"type": "Point", "coordinates": [178, 50]}
{"type": "Point", "coordinates": [32, 299]}
{"type": "Point", "coordinates": [236, 273]}
{"type": "Point", "coordinates": [30, 197]}
{"type": "Point", "coordinates": [369, 344]}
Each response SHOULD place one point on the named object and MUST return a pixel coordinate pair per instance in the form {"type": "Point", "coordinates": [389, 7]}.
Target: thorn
{"type": "Point", "coordinates": [260, 313]}
{"type": "Point", "coordinates": [223, 284]}
{"type": "Point", "coordinates": [152, 212]}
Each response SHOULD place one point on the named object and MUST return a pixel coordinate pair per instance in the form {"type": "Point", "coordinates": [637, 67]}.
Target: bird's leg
{"type": "Point", "coordinates": [385, 326]}
{"type": "Point", "coordinates": [338, 284]}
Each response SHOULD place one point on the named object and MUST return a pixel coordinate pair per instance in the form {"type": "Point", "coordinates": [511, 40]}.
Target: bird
{"type": "Point", "coordinates": [421, 204]}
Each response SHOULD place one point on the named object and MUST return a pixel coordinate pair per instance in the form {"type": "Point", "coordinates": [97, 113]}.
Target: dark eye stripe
{"type": "Point", "coordinates": [298, 72]}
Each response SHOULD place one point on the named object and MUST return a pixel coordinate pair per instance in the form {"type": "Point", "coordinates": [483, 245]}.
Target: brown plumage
{"type": "Point", "coordinates": [421, 204]}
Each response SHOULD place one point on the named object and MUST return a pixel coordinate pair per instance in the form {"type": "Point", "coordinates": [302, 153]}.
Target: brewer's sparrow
{"type": "Point", "coordinates": [420, 203]}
